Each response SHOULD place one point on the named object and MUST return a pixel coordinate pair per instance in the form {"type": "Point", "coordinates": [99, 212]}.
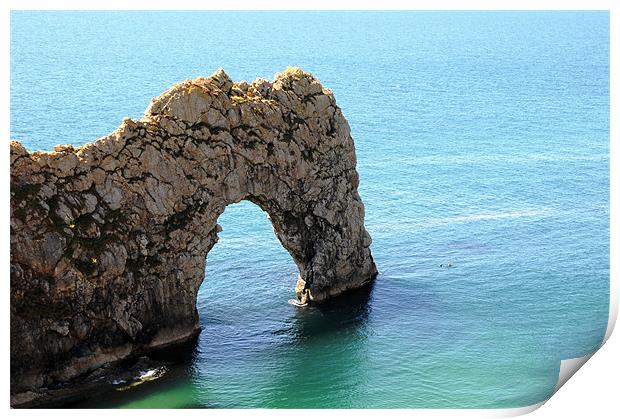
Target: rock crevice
{"type": "Point", "coordinates": [109, 240]}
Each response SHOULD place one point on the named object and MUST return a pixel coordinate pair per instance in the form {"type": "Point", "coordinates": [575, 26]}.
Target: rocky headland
{"type": "Point", "coordinates": [109, 240]}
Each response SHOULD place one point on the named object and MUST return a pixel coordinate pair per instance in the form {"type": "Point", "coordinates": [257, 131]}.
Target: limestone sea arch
{"type": "Point", "coordinates": [109, 240]}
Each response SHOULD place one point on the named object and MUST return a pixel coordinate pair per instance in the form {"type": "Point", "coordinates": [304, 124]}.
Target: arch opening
{"type": "Point", "coordinates": [248, 268]}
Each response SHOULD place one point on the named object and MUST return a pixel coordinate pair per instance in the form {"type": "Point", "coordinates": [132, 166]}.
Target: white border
{"type": "Point", "coordinates": [587, 391]}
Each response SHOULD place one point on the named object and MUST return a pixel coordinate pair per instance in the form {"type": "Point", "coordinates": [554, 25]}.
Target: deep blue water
{"type": "Point", "coordinates": [482, 141]}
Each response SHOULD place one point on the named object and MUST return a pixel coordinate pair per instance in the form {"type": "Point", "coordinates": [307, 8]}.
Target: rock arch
{"type": "Point", "coordinates": [109, 240]}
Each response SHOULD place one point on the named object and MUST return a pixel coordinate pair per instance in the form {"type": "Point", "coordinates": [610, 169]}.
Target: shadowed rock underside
{"type": "Point", "coordinates": [109, 240]}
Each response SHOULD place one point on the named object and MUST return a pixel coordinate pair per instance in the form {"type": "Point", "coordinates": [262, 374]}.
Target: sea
{"type": "Point", "coordinates": [482, 143]}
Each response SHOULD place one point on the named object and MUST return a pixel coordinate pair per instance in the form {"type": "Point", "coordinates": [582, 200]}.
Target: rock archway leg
{"type": "Point", "coordinates": [109, 240]}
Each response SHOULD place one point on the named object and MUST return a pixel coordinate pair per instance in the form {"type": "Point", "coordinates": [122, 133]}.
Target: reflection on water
{"type": "Point", "coordinates": [319, 337]}
{"type": "Point", "coordinates": [347, 312]}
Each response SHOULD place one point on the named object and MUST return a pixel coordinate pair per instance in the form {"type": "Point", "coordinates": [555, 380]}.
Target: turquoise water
{"type": "Point", "coordinates": [482, 141]}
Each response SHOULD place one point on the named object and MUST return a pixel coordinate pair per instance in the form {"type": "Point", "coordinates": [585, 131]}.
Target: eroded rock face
{"type": "Point", "coordinates": [109, 240]}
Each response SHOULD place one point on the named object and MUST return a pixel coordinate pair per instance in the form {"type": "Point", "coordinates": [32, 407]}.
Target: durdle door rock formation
{"type": "Point", "coordinates": [109, 240]}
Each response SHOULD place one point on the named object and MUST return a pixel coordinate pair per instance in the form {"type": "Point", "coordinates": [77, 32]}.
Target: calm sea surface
{"type": "Point", "coordinates": [482, 141]}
